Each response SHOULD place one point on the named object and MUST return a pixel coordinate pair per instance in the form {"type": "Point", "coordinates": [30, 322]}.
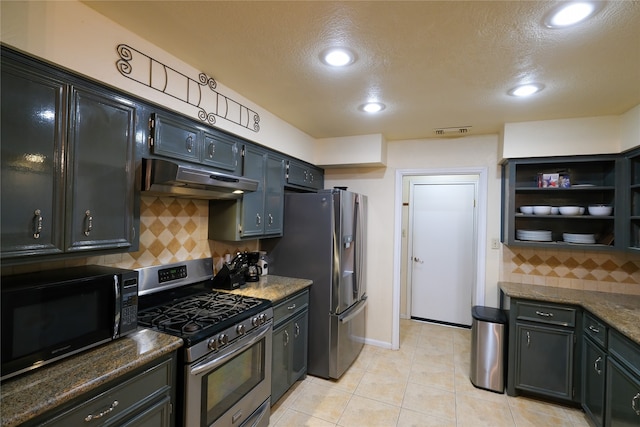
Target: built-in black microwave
{"type": "Point", "coordinates": [49, 315]}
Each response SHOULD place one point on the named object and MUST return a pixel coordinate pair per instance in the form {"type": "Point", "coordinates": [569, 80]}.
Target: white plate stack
{"type": "Point", "coordinates": [588, 239]}
{"type": "Point", "coordinates": [534, 235]}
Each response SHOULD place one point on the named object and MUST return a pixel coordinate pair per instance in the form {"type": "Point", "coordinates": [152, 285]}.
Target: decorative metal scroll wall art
{"type": "Point", "coordinates": [143, 69]}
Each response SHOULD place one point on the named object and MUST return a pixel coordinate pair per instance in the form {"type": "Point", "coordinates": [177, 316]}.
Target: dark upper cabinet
{"type": "Point", "coordinates": [302, 175]}
{"type": "Point", "coordinates": [593, 180]}
{"type": "Point", "coordinates": [175, 138]}
{"type": "Point", "coordinates": [32, 132]}
{"type": "Point", "coordinates": [100, 171]}
{"type": "Point", "coordinates": [68, 164]}
{"type": "Point", "coordinates": [256, 214]}
{"type": "Point", "coordinates": [631, 228]}
{"type": "Point", "coordinates": [182, 139]}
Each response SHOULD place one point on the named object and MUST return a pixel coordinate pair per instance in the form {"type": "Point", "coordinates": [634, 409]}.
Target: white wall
{"type": "Point", "coordinates": [563, 137]}
{"type": "Point", "coordinates": [378, 183]}
{"type": "Point", "coordinates": [630, 129]}
{"type": "Point", "coordinates": [360, 151]}
{"type": "Point", "coordinates": [74, 36]}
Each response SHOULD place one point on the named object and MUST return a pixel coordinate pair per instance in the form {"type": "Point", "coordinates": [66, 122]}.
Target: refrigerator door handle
{"type": "Point", "coordinates": [351, 314]}
{"type": "Point", "coordinates": [359, 261]}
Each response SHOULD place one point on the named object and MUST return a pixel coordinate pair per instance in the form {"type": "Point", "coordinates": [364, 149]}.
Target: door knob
{"type": "Point", "coordinates": [416, 259]}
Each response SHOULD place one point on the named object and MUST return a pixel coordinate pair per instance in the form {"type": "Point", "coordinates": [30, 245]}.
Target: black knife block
{"type": "Point", "coordinates": [228, 278]}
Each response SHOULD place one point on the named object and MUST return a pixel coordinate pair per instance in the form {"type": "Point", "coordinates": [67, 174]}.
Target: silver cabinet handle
{"type": "Point", "coordinates": [88, 219]}
{"type": "Point", "coordinates": [37, 223]}
{"type": "Point", "coordinates": [258, 219]}
{"type": "Point", "coordinates": [543, 314]}
{"type": "Point", "coordinates": [189, 143]}
{"type": "Point", "coordinates": [212, 150]}
{"type": "Point", "coordinates": [595, 365]}
{"type": "Point", "coordinates": [270, 219]}
{"type": "Point", "coordinates": [291, 307]}
{"type": "Point", "coordinates": [296, 333]}
{"type": "Point", "coordinates": [528, 339]}
{"type": "Point", "coordinates": [286, 338]}
{"type": "Point", "coordinates": [594, 330]}
{"type": "Point", "coordinates": [633, 403]}
{"type": "Point", "coordinates": [416, 259]}
{"type": "Point", "coordinates": [101, 414]}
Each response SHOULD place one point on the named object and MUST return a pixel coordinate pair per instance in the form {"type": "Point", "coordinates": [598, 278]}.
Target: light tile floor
{"type": "Point", "coordinates": [425, 383]}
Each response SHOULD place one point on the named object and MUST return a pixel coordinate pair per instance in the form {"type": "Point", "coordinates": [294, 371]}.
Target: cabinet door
{"type": "Point", "coordinates": [303, 175]}
{"type": "Point", "coordinates": [100, 180]}
{"type": "Point", "coordinates": [175, 138]}
{"type": "Point", "coordinates": [299, 348]}
{"type": "Point", "coordinates": [544, 360]}
{"type": "Point", "coordinates": [253, 203]}
{"type": "Point", "coordinates": [593, 380]}
{"type": "Point", "coordinates": [274, 195]}
{"type": "Point", "coordinates": [623, 396]}
{"type": "Point", "coordinates": [280, 364]}
{"type": "Point", "coordinates": [32, 134]}
{"type": "Point", "coordinates": [221, 151]}
{"type": "Point", "coordinates": [158, 415]}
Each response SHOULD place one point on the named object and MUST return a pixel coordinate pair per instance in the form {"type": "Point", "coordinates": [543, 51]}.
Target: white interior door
{"type": "Point", "coordinates": [443, 234]}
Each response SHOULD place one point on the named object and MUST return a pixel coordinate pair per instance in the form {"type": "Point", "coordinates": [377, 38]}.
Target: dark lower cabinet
{"type": "Point", "coordinates": [291, 318]}
{"type": "Point", "coordinates": [542, 351]}
{"type": "Point", "coordinates": [594, 361]}
{"type": "Point", "coordinates": [545, 360]}
{"type": "Point", "coordinates": [623, 396]}
{"type": "Point", "coordinates": [145, 399]}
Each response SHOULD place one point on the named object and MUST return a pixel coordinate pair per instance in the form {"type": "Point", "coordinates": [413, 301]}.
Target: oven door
{"type": "Point", "coordinates": [226, 388]}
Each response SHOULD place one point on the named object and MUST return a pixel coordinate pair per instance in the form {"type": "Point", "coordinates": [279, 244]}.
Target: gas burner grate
{"type": "Point", "coordinates": [191, 315]}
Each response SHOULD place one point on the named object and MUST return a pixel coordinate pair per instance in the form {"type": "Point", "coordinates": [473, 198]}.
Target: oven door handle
{"type": "Point", "coordinates": [229, 353]}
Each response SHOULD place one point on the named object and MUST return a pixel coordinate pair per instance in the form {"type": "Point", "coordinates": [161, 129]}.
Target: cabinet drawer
{"type": "Point", "coordinates": [290, 306]}
{"type": "Point", "coordinates": [546, 313]}
{"type": "Point", "coordinates": [595, 329]}
{"type": "Point", "coordinates": [625, 351]}
{"type": "Point", "coordinates": [122, 399]}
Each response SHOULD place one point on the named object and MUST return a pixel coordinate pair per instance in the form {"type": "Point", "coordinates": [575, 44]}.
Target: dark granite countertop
{"type": "Point", "coordinates": [620, 311]}
{"type": "Point", "coordinates": [274, 288]}
{"type": "Point", "coordinates": [33, 394]}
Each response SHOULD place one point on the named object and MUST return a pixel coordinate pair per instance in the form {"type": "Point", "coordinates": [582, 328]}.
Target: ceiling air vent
{"type": "Point", "coordinates": [452, 131]}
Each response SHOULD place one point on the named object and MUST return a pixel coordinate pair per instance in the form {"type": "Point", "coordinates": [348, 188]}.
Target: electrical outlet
{"type": "Point", "coordinates": [495, 243]}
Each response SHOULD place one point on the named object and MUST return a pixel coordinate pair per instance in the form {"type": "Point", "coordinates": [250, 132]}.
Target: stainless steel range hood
{"type": "Point", "coordinates": [167, 178]}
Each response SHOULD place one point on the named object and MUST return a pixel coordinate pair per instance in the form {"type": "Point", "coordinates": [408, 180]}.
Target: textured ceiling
{"type": "Point", "coordinates": [434, 64]}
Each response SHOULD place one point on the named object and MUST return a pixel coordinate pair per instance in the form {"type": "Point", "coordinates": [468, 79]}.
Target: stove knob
{"type": "Point", "coordinates": [255, 321]}
{"type": "Point", "coordinates": [213, 344]}
{"type": "Point", "coordinates": [241, 329]}
{"type": "Point", "coordinates": [263, 318]}
{"type": "Point", "coordinates": [223, 339]}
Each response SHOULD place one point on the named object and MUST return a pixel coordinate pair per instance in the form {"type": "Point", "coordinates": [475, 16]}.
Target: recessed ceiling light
{"type": "Point", "coordinates": [372, 107]}
{"type": "Point", "coordinates": [526, 89]}
{"type": "Point", "coordinates": [570, 13]}
{"type": "Point", "coordinates": [338, 57]}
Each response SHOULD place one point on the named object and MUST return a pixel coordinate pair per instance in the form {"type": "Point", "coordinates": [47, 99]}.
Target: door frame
{"type": "Point", "coordinates": [440, 180]}
{"type": "Point", "coordinates": [479, 291]}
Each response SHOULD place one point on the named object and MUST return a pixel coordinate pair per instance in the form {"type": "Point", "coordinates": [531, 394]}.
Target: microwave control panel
{"type": "Point", "coordinates": [129, 306]}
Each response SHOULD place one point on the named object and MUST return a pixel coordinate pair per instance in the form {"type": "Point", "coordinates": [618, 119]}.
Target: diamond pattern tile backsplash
{"type": "Point", "coordinates": [594, 271]}
{"type": "Point", "coordinates": [174, 230]}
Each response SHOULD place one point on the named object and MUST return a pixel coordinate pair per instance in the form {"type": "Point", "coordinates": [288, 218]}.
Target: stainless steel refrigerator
{"type": "Point", "coordinates": [324, 239]}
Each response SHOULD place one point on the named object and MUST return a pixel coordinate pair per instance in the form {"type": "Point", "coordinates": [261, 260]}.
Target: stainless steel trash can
{"type": "Point", "coordinates": [488, 335]}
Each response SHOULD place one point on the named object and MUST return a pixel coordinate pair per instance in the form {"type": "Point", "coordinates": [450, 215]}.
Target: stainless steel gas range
{"type": "Point", "coordinates": [224, 374]}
